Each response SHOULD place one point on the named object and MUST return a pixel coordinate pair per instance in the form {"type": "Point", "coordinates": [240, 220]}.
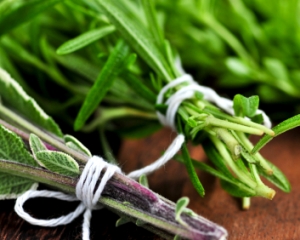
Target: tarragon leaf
{"type": "Point", "coordinates": [236, 190]}
{"type": "Point", "coordinates": [14, 94]}
{"type": "Point", "coordinates": [12, 148]}
{"type": "Point", "coordinates": [111, 69]}
{"type": "Point", "coordinates": [137, 36]}
{"type": "Point", "coordinates": [58, 162]}
{"type": "Point", "coordinates": [282, 127]}
{"type": "Point", "coordinates": [84, 40]}
{"type": "Point", "coordinates": [75, 144]}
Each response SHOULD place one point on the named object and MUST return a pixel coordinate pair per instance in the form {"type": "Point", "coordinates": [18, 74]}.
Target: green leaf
{"type": "Point", "coordinates": [277, 178]}
{"type": "Point", "coordinates": [58, 162]}
{"type": "Point", "coordinates": [17, 14]}
{"type": "Point", "coordinates": [140, 222]}
{"type": "Point", "coordinates": [75, 144]}
{"type": "Point", "coordinates": [140, 39]}
{"type": "Point", "coordinates": [189, 165]}
{"type": "Point", "coordinates": [152, 21]}
{"type": "Point", "coordinates": [282, 127]}
{"type": "Point", "coordinates": [237, 66]}
{"type": "Point", "coordinates": [177, 237]}
{"type": "Point", "coordinates": [11, 187]}
{"type": "Point", "coordinates": [144, 181]}
{"type": "Point", "coordinates": [181, 205]}
{"type": "Point", "coordinates": [244, 106]}
{"type": "Point", "coordinates": [14, 94]}
{"type": "Point", "coordinates": [36, 145]}
{"type": "Point", "coordinates": [12, 148]}
{"type": "Point", "coordinates": [276, 68]}
{"type": "Point", "coordinates": [216, 158]}
{"type": "Point", "coordinates": [139, 87]}
{"type": "Point", "coordinates": [121, 221]}
{"type": "Point", "coordinates": [235, 190]}
{"type": "Point", "coordinates": [110, 71]}
{"type": "Point", "coordinates": [84, 39]}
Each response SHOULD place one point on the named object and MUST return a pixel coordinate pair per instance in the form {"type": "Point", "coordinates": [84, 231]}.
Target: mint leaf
{"type": "Point", "coordinates": [14, 94]}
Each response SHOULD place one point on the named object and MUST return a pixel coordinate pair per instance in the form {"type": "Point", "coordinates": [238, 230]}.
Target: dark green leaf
{"type": "Point", "coordinates": [110, 71]}
{"type": "Point", "coordinates": [190, 168]}
{"type": "Point", "coordinates": [21, 13]}
{"type": "Point", "coordinates": [277, 178]}
{"type": "Point", "coordinates": [236, 191]}
{"type": "Point", "coordinates": [139, 87]}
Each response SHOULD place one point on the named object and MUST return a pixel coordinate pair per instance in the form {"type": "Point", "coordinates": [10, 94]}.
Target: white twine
{"type": "Point", "coordinates": [85, 191]}
{"type": "Point", "coordinates": [187, 92]}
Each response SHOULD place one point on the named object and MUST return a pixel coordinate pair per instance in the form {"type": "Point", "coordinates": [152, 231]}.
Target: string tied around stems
{"type": "Point", "coordinates": [86, 190]}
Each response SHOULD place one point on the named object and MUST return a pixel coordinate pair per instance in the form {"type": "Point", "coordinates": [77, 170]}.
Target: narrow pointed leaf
{"type": "Point", "coordinates": [277, 178]}
{"type": "Point", "coordinates": [36, 145]}
{"type": "Point", "coordinates": [282, 127]}
{"type": "Point", "coordinates": [110, 71]}
{"type": "Point", "coordinates": [58, 162]}
{"type": "Point", "coordinates": [84, 40]}
{"type": "Point", "coordinates": [236, 191]}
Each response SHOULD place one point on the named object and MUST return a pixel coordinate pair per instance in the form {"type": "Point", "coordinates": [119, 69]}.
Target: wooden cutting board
{"type": "Point", "coordinates": [276, 219]}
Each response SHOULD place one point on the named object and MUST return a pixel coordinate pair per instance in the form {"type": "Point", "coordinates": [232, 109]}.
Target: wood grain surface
{"type": "Point", "coordinates": [276, 219]}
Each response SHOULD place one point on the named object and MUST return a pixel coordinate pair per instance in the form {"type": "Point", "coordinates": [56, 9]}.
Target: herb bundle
{"type": "Point", "coordinates": [252, 46]}
{"type": "Point", "coordinates": [110, 60]}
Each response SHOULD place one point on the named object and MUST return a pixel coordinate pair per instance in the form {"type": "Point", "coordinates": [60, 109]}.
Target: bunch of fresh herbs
{"type": "Point", "coordinates": [109, 60]}
{"type": "Point", "coordinates": [248, 46]}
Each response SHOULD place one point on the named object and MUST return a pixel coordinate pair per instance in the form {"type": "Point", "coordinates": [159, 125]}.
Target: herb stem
{"type": "Point", "coordinates": [225, 124]}
{"type": "Point", "coordinates": [47, 137]}
{"type": "Point", "coordinates": [144, 205]}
